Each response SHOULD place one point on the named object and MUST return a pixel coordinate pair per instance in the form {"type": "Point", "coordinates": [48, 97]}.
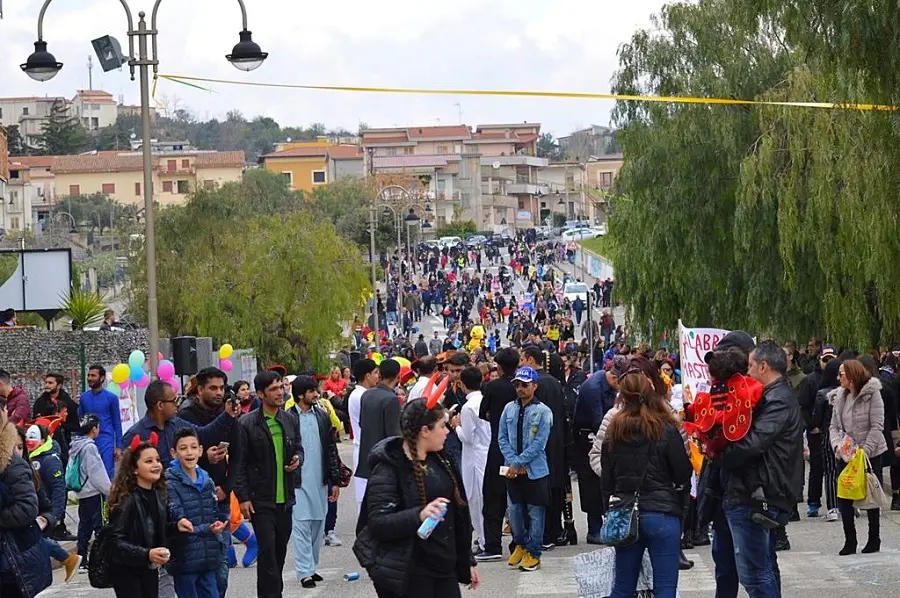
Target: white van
{"type": "Point", "coordinates": [449, 241]}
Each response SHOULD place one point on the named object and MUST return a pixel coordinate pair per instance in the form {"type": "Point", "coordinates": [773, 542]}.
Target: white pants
{"type": "Point", "coordinates": [359, 484]}
{"type": "Point", "coordinates": [473, 478]}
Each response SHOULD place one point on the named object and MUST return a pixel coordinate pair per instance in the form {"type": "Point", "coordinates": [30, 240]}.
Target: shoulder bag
{"type": "Point", "coordinates": [620, 526]}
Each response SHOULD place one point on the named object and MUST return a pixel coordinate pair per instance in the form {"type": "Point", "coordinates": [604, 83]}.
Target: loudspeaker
{"type": "Point", "coordinates": [184, 354]}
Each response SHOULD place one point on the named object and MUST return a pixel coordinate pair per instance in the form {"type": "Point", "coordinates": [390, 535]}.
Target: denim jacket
{"type": "Point", "coordinates": [535, 425]}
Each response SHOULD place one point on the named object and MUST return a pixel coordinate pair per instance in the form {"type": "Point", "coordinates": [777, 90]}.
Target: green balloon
{"type": "Point", "coordinates": [114, 388]}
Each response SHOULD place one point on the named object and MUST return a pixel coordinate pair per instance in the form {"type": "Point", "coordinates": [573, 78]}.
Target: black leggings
{"type": "Point", "coordinates": [131, 582]}
{"type": "Point", "coordinates": [423, 586]}
{"type": "Point", "coordinates": [848, 514]}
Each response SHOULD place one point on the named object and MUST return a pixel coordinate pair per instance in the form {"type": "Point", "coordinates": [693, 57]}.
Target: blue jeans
{"type": "Point", "coordinates": [660, 533]}
{"type": "Point", "coordinates": [196, 585]}
{"type": "Point", "coordinates": [532, 536]}
{"type": "Point", "coordinates": [90, 520]}
{"type": "Point", "coordinates": [744, 552]}
{"type": "Point", "coordinates": [595, 523]}
{"type": "Point", "coordinates": [56, 551]}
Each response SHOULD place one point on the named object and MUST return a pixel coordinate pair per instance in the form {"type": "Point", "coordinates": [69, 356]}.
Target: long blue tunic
{"type": "Point", "coordinates": [312, 495]}
{"type": "Point", "coordinates": [105, 405]}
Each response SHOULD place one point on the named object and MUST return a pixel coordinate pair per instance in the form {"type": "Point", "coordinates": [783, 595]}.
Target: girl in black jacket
{"type": "Point", "coordinates": [139, 522]}
{"type": "Point", "coordinates": [644, 453]}
{"type": "Point", "coordinates": [411, 480]}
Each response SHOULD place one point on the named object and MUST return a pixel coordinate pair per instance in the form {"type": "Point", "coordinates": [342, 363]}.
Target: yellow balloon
{"type": "Point", "coordinates": [120, 373]}
{"type": "Point", "coordinates": [377, 358]}
{"type": "Point", "coordinates": [404, 362]}
{"type": "Point", "coordinates": [225, 351]}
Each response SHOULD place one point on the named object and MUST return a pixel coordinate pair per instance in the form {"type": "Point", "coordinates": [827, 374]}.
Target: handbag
{"type": "Point", "coordinates": [346, 474]}
{"type": "Point", "coordinates": [99, 573]}
{"type": "Point", "coordinates": [875, 497]}
{"type": "Point", "coordinates": [620, 526]}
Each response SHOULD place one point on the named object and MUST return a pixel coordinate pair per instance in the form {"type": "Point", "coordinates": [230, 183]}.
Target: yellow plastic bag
{"type": "Point", "coordinates": [851, 484]}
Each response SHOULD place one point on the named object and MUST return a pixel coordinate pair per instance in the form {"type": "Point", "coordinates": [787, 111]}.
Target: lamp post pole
{"type": "Point", "coordinates": [376, 326]}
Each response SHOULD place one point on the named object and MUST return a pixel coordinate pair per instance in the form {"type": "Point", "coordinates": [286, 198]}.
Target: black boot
{"type": "Point", "coordinates": [683, 562]}
{"type": "Point", "coordinates": [895, 502]}
{"type": "Point", "coordinates": [849, 525]}
{"type": "Point", "coordinates": [874, 543]}
{"type": "Point", "coordinates": [781, 539]}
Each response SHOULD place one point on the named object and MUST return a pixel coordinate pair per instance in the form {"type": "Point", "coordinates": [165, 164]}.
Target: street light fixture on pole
{"type": "Point", "coordinates": [43, 66]}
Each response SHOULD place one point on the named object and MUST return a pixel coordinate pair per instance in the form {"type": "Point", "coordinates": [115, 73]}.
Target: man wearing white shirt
{"type": "Point", "coordinates": [366, 373]}
{"type": "Point", "coordinates": [475, 435]}
{"type": "Point", "coordinates": [424, 368]}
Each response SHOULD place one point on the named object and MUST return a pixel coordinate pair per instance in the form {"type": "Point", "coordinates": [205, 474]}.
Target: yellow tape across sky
{"type": "Point", "coordinates": [191, 81]}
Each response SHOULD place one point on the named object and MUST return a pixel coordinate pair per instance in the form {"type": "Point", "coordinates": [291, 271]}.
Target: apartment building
{"type": "Point", "coordinates": [488, 175]}
{"type": "Point", "coordinates": [120, 175]}
{"type": "Point", "coordinates": [309, 164]}
{"type": "Point", "coordinates": [29, 114]}
{"type": "Point", "coordinates": [567, 194]}
{"type": "Point", "coordinates": [94, 108]}
{"type": "Point", "coordinates": [19, 201]}
{"type": "Point", "coordinates": [4, 162]}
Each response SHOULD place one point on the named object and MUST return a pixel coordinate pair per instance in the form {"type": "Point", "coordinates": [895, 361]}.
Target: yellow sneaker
{"type": "Point", "coordinates": [516, 557]}
{"type": "Point", "coordinates": [71, 564]}
{"type": "Point", "coordinates": [530, 563]}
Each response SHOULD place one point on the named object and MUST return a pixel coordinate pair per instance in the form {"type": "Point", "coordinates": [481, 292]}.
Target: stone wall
{"type": "Point", "coordinates": [29, 353]}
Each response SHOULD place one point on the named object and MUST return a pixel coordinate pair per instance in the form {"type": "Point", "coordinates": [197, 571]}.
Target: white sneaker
{"type": "Point", "coordinates": [832, 515]}
{"type": "Point", "coordinates": [331, 539]}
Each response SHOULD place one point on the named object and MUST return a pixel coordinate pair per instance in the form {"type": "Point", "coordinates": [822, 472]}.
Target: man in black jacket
{"type": "Point", "coordinates": [265, 476]}
{"type": "Point", "coordinates": [210, 403]}
{"type": "Point", "coordinates": [379, 414]}
{"type": "Point", "coordinates": [495, 396]}
{"type": "Point", "coordinates": [759, 477]}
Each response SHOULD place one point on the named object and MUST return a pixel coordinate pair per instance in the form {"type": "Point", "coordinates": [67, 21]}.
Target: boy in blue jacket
{"type": "Point", "coordinates": [192, 496]}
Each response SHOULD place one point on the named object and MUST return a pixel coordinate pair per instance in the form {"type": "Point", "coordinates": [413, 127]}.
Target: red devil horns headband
{"type": "Point", "coordinates": [434, 396]}
{"type": "Point", "coordinates": [136, 441]}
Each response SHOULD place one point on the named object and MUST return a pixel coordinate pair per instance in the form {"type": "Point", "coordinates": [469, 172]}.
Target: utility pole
{"type": "Point", "coordinates": [90, 72]}
{"type": "Point", "coordinates": [459, 111]}
{"type": "Point", "coordinates": [374, 272]}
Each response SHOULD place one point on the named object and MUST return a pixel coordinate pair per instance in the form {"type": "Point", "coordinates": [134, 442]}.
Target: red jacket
{"type": "Point", "coordinates": [18, 406]}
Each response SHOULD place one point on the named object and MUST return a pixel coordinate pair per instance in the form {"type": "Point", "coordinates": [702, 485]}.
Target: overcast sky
{"type": "Point", "coordinates": [560, 45]}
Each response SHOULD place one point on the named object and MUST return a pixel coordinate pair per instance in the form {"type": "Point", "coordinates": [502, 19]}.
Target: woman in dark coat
{"type": "Point", "coordinates": [411, 480]}
{"type": "Point", "coordinates": [24, 564]}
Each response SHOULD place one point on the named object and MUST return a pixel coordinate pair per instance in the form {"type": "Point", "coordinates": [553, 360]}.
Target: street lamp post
{"type": "Point", "coordinates": [43, 66]}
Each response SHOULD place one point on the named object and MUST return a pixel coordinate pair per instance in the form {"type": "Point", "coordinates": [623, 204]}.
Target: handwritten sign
{"type": "Point", "coordinates": [595, 573]}
{"type": "Point", "coordinates": [695, 343]}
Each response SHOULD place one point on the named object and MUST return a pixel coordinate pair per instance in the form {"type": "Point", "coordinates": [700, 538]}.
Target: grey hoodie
{"type": "Point", "coordinates": [93, 471]}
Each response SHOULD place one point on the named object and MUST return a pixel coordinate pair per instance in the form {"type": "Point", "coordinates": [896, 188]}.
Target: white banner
{"type": "Point", "coordinates": [694, 344]}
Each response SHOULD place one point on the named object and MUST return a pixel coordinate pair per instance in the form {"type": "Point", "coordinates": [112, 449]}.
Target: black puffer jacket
{"type": "Point", "coordinates": [23, 560]}
{"type": "Point", "coordinates": [771, 453]}
{"type": "Point", "coordinates": [391, 513]}
{"type": "Point", "coordinates": [667, 465]}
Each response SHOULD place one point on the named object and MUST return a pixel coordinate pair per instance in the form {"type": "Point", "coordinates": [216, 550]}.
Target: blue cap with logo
{"type": "Point", "coordinates": [526, 374]}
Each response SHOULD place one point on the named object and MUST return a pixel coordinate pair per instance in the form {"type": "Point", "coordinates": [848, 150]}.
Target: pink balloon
{"type": "Point", "coordinates": [125, 385]}
{"type": "Point", "coordinates": [165, 370]}
{"type": "Point", "coordinates": [159, 357]}
{"type": "Point", "coordinates": [174, 383]}
{"type": "Point", "coordinates": [226, 365]}
{"type": "Point", "coordinates": [143, 382]}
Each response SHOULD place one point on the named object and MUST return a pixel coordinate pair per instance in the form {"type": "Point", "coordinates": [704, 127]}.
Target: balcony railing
{"type": "Point", "coordinates": [527, 189]}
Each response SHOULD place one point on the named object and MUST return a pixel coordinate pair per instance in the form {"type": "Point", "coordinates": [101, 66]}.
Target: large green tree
{"type": "Point", "coordinates": [62, 134]}
{"type": "Point", "coordinates": [249, 263]}
{"type": "Point", "coordinates": [346, 203]}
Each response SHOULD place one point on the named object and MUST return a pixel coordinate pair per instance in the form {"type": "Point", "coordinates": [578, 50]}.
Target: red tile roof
{"type": "Point", "coordinates": [32, 161]}
{"type": "Point", "coordinates": [299, 152]}
{"type": "Point", "coordinates": [385, 138]}
{"type": "Point", "coordinates": [131, 161]}
{"type": "Point", "coordinates": [447, 131]}
{"type": "Point", "coordinates": [345, 152]}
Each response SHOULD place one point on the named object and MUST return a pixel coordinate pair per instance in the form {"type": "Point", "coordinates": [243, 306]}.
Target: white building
{"type": "Point", "coordinates": [95, 108]}
{"type": "Point", "coordinates": [29, 114]}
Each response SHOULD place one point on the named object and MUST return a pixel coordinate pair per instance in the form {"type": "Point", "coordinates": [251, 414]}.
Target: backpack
{"type": "Point", "coordinates": [99, 573]}
{"type": "Point", "coordinates": [74, 482]}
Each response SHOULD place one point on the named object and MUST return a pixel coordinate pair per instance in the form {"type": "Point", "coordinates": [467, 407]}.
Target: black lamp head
{"type": "Point", "coordinates": [246, 54]}
{"type": "Point", "coordinates": [41, 65]}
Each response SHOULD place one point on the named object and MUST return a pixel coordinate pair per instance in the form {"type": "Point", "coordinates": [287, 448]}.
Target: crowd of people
{"type": "Point", "coordinates": [457, 440]}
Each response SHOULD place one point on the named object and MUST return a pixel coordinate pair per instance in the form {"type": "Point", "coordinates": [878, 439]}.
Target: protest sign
{"type": "Point", "coordinates": [694, 344]}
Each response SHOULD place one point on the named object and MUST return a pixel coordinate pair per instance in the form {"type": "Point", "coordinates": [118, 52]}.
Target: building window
{"type": "Point", "coordinates": [442, 149]}
{"type": "Point", "coordinates": [391, 151]}
{"type": "Point", "coordinates": [74, 190]}
{"type": "Point", "coordinates": [408, 151]}
{"type": "Point", "coordinates": [1, 113]}
{"type": "Point", "coordinates": [25, 111]}
{"type": "Point", "coordinates": [13, 174]}
{"type": "Point", "coordinates": [95, 123]}
{"type": "Point", "coordinates": [185, 163]}
{"type": "Point", "coordinates": [14, 223]}
{"type": "Point", "coordinates": [289, 177]}
{"type": "Point", "coordinates": [318, 177]}
{"type": "Point", "coordinates": [167, 186]}
{"type": "Point", "coordinates": [209, 184]}
{"type": "Point", "coordinates": [183, 187]}
{"type": "Point", "coordinates": [606, 179]}
{"type": "Point", "coordinates": [13, 198]}
{"type": "Point", "coordinates": [137, 189]}
{"type": "Point", "coordinates": [108, 188]}
{"type": "Point", "coordinates": [171, 165]}
{"type": "Point", "coordinates": [95, 106]}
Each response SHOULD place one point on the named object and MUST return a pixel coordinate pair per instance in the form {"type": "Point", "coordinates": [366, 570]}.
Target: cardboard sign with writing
{"type": "Point", "coordinates": [694, 344]}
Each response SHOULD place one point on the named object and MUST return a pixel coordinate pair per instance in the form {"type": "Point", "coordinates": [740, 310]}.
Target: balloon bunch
{"type": "Point", "coordinates": [126, 374]}
{"type": "Point", "coordinates": [225, 352]}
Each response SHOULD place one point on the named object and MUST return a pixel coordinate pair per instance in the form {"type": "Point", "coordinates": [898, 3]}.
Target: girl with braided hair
{"type": "Point", "coordinates": [411, 480]}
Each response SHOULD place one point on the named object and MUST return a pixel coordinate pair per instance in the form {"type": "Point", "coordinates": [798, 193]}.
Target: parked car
{"type": "Point", "coordinates": [449, 242]}
{"type": "Point", "coordinates": [573, 290]}
{"type": "Point", "coordinates": [476, 241]}
{"type": "Point", "coordinates": [580, 234]}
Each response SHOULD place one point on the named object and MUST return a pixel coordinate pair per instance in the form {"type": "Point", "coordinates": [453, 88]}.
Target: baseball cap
{"type": "Point", "coordinates": [526, 374]}
{"type": "Point", "coordinates": [737, 339]}
{"type": "Point", "coordinates": [828, 352]}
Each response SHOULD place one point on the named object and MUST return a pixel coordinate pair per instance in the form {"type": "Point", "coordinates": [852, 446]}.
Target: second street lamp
{"type": "Point", "coordinates": [42, 66]}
